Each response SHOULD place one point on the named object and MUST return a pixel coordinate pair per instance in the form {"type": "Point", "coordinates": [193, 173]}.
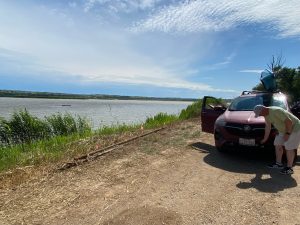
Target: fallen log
{"type": "Point", "coordinates": [93, 155]}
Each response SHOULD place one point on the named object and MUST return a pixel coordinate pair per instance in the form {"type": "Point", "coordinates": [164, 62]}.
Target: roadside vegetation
{"type": "Point", "coordinates": [26, 140]}
{"type": "Point", "coordinates": [24, 128]}
{"type": "Point", "coordinates": [191, 111]}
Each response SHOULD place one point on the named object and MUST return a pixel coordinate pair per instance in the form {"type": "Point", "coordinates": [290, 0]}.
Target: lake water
{"type": "Point", "coordinates": [99, 112]}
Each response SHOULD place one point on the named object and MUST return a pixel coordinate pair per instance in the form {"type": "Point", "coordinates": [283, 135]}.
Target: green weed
{"type": "Point", "coordinates": [159, 120]}
{"type": "Point", "coordinates": [192, 111]}
{"type": "Point", "coordinates": [24, 128]}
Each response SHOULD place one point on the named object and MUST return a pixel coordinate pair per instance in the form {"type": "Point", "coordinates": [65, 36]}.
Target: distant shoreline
{"type": "Point", "coordinates": [53, 95]}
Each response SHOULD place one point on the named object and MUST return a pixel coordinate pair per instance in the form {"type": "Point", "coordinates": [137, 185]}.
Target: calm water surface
{"type": "Point", "coordinates": [99, 112]}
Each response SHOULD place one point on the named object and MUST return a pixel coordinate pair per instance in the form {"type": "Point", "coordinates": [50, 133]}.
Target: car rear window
{"type": "Point", "coordinates": [247, 103]}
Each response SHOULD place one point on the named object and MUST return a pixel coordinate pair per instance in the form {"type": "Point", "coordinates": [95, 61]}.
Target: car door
{"type": "Point", "coordinates": [212, 108]}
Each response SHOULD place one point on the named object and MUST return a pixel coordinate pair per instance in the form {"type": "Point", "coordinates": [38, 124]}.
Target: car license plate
{"type": "Point", "coordinates": [249, 142]}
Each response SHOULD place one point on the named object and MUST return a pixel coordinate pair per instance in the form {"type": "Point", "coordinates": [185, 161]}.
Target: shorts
{"type": "Point", "coordinates": [291, 144]}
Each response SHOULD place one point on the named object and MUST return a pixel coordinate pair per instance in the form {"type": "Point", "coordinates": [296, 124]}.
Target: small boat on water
{"type": "Point", "coordinates": [65, 105]}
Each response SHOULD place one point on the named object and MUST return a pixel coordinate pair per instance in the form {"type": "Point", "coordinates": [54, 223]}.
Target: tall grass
{"type": "Point", "coordinates": [24, 128]}
{"type": "Point", "coordinates": [116, 129]}
{"type": "Point", "coordinates": [67, 124]}
{"type": "Point", "coordinates": [192, 111]}
{"type": "Point", "coordinates": [151, 122]}
{"type": "Point", "coordinates": [159, 119]}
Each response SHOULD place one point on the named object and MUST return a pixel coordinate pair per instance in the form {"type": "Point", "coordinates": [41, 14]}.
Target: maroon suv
{"type": "Point", "coordinates": [236, 125]}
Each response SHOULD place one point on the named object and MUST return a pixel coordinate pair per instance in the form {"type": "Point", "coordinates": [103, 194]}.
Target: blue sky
{"type": "Point", "coordinates": [154, 48]}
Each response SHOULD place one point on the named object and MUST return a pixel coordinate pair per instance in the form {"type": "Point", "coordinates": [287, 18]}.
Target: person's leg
{"type": "Point", "coordinates": [278, 143]}
{"type": "Point", "coordinates": [291, 146]}
{"type": "Point", "coordinates": [290, 154]}
{"type": "Point", "coordinates": [279, 153]}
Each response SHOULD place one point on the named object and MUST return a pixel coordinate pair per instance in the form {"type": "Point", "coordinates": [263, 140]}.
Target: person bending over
{"type": "Point", "coordinates": [288, 127]}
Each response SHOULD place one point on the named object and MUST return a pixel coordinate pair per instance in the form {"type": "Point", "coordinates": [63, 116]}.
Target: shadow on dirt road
{"type": "Point", "coordinates": [248, 161]}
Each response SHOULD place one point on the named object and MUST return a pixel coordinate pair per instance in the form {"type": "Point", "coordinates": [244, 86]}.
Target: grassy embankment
{"type": "Point", "coordinates": [26, 140]}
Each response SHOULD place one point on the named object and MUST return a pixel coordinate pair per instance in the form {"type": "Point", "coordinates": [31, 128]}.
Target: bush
{"type": "Point", "coordinates": [192, 111]}
{"type": "Point", "coordinates": [159, 119]}
{"type": "Point", "coordinates": [5, 132]}
{"type": "Point", "coordinates": [63, 124]}
{"type": "Point", "coordinates": [115, 129]}
{"type": "Point", "coordinates": [24, 128]}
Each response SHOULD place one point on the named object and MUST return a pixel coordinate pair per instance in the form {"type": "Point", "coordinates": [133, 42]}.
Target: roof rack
{"type": "Point", "coordinates": [257, 92]}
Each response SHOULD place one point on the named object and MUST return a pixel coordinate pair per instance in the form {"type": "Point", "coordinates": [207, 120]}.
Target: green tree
{"type": "Point", "coordinates": [288, 81]}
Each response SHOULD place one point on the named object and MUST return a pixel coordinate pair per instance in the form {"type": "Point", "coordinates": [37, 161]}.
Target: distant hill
{"type": "Point", "coordinates": [31, 94]}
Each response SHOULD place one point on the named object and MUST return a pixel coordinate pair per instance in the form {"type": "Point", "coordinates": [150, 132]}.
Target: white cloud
{"type": "Point", "coordinates": [92, 52]}
{"type": "Point", "coordinates": [251, 71]}
{"type": "Point", "coordinates": [226, 61]}
{"type": "Point", "coordinates": [164, 82]}
{"type": "Point", "coordinates": [87, 72]}
{"type": "Point", "coordinates": [143, 4]}
{"type": "Point", "coordinates": [72, 4]}
{"type": "Point", "coordinates": [121, 5]}
{"type": "Point", "coordinates": [220, 15]}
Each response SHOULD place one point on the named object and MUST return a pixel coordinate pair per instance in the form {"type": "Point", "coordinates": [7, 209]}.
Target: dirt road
{"type": "Point", "coordinates": [175, 176]}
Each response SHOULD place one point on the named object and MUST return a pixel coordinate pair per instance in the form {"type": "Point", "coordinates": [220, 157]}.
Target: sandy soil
{"type": "Point", "coordinates": [175, 176]}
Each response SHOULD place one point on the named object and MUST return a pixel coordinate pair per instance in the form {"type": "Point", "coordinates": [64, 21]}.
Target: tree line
{"type": "Point", "coordinates": [52, 95]}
